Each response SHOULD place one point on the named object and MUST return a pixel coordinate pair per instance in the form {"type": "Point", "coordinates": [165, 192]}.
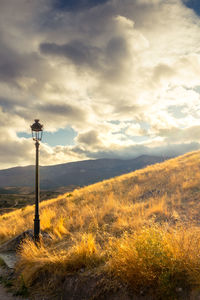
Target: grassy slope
{"type": "Point", "coordinates": [141, 227]}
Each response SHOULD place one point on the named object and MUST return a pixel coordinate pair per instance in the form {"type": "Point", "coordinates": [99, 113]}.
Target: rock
{"type": "Point", "coordinates": [9, 258]}
{"type": "Point", "coordinates": [96, 287]}
{"type": "Point", "coordinates": [14, 243]}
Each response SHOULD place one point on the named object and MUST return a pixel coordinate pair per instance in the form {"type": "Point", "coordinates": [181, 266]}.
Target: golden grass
{"type": "Point", "coordinates": [132, 222]}
{"type": "Point", "coordinates": [157, 258]}
{"type": "Point", "coordinates": [39, 260]}
{"type": "Point", "coordinates": [125, 201]}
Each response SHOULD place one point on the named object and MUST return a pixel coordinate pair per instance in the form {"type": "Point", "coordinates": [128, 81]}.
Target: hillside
{"type": "Point", "coordinates": [76, 173]}
{"type": "Point", "coordinates": [136, 234]}
{"type": "Point", "coordinates": [12, 198]}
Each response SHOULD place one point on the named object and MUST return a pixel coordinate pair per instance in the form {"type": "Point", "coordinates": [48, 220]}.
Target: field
{"type": "Point", "coordinates": [12, 198]}
{"type": "Point", "coordinates": [139, 231]}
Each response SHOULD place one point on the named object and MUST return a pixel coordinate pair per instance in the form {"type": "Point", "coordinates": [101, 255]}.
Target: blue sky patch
{"type": "Point", "coordinates": [63, 137]}
{"type": "Point", "coordinates": [176, 111]}
{"type": "Point", "coordinates": [73, 5]}
{"type": "Point", "coordinates": [194, 4]}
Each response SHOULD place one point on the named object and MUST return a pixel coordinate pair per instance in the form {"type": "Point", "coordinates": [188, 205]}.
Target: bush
{"type": "Point", "coordinates": [164, 261]}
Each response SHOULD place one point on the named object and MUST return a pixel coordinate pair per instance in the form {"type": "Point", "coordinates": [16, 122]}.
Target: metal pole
{"type": "Point", "coordinates": [37, 196]}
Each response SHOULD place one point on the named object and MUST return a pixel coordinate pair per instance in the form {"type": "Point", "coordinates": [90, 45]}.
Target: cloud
{"type": "Point", "coordinates": [124, 75]}
{"type": "Point", "coordinates": [89, 138]}
{"type": "Point", "coordinates": [191, 134]}
{"type": "Point", "coordinates": [68, 111]}
{"type": "Point", "coordinates": [79, 53]}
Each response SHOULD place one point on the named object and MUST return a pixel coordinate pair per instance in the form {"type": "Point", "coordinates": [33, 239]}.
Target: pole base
{"type": "Point", "coordinates": [36, 229]}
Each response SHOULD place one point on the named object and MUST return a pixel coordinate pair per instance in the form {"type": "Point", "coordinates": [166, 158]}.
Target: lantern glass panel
{"type": "Point", "coordinates": [37, 130]}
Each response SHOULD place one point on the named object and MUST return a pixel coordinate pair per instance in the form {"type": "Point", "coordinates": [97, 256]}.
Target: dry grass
{"type": "Point", "coordinates": [38, 261]}
{"type": "Point", "coordinates": [134, 223]}
{"type": "Point", "coordinates": [160, 259]}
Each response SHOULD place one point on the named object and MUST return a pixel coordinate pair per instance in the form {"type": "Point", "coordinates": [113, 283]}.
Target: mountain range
{"type": "Point", "coordinates": [74, 173]}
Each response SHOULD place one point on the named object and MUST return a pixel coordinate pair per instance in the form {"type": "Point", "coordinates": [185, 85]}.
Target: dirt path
{"type": "Point", "coordinates": [4, 295]}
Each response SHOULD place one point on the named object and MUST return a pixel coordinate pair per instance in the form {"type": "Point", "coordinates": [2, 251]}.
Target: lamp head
{"type": "Point", "coordinates": [37, 130]}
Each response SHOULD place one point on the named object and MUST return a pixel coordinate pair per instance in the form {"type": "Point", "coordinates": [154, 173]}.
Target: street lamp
{"type": "Point", "coordinates": [37, 130]}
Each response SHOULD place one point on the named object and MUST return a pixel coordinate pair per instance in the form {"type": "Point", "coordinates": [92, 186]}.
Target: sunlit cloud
{"type": "Point", "coordinates": [123, 76]}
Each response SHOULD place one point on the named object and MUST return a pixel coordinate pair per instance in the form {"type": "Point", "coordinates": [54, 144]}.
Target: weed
{"type": "Point", "coordinates": [22, 288]}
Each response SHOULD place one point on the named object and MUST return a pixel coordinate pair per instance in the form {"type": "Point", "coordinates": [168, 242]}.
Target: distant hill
{"type": "Point", "coordinates": [75, 173]}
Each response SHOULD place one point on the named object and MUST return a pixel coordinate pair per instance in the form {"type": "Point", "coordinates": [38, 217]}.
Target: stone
{"type": "Point", "coordinates": [14, 243]}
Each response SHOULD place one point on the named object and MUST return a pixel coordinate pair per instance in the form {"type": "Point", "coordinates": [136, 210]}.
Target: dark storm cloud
{"type": "Point", "coordinates": [7, 105]}
{"type": "Point", "coordinates": [77, 51]}
{"type": "Point", "coordinates": [14, 65]}
{"type": "Point", "coordinates": [15, 151]}
{"type": "Point", "coordinates": [16, 107]}
{"type": "Point", "coordinates": [63, 110]}
{"type": "Point", "coordinates": [116, 48]}
{"type": "Point", "coordinates": [89, 138]}
{"type": "Point", "coordinates": [76, 5]}
{"type": "Point", "coordinates": [106, 61]}
{"type": "Point", "coordinates": [11, 63]}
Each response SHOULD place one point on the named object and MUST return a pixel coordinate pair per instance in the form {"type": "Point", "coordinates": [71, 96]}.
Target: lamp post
{"type": "Point", "coordinates": [37, 130]}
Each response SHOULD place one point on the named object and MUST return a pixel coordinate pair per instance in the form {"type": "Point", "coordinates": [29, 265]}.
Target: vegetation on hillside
{"type": "Point", "coordinates": [142, 228]}
{"type": "Point", "coordinates": [12, 198]}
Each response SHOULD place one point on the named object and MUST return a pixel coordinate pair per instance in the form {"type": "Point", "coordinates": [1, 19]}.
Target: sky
{"type": "Point", "coordinates": [106, 78]}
